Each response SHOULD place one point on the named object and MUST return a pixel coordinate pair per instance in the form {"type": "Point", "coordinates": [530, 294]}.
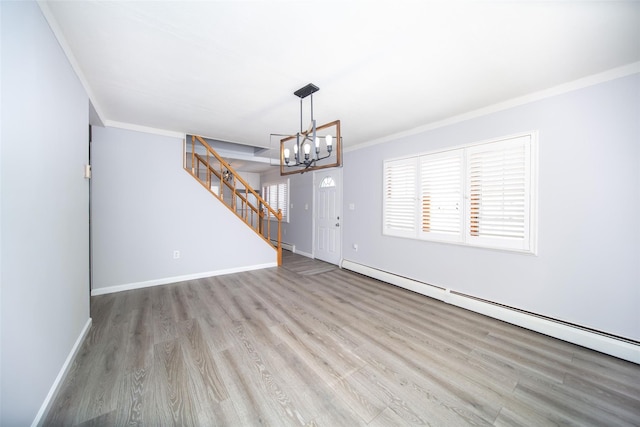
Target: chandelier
{"type": "Point", "coordinates": [318, 147]}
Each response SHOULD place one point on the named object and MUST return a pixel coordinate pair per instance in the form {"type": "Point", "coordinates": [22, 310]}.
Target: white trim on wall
{"type": "Point", "coordinates": [615, 73]}
{"type": "Point", "coordinates": [590, 339]}
{"type": "Point", "coordinates": [55, 387]}
{"type": "Point", "coordinates": [144, 129]}
{"type": "Point", "coordinates": [176, 279]}
{"type": "Point", "coordinates": [62, 41]}
{"type": "Point", "coordinates": [306, 254]}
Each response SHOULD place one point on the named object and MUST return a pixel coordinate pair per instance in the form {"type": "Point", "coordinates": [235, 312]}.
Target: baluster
{"type": "Point", "coordinates": [193, 154]}
{"type": "Point", "coordinates": [208, 172]}
{"type": "Point", "coordinates": [246, 205]}
{"type": "Point", "coordinates": [279, 246]}
{"type": "Point", "coordinates": [233, 202]}
{"type": "Point", "coordinates": [268, 224]}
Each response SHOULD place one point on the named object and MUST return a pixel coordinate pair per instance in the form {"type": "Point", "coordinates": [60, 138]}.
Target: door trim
{"type": "Point", "coordinates": [316, 182]}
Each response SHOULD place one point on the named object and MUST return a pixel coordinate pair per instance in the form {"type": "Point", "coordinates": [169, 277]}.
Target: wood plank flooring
{"type": "Point", "coordinates": [308, 344]}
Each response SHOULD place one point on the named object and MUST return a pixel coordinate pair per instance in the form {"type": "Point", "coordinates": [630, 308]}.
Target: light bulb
{"type": "Point", "coordinates": [307, 148]}
{"type": "Point", "coordinates": [286, 153]}
{"type": "Point", "coordinates": [329, 140]}
{"type": "Point", "coordinates": [295, 148]}
{"type": "Point", "coordinates": [317, 142]}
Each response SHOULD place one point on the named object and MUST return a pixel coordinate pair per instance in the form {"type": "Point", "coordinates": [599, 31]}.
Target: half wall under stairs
{"type": "Point", "coordinates": [223, 182]}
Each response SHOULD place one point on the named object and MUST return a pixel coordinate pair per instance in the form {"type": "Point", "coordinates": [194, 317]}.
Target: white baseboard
{"type": "Point", "coordinates": [168, 280]}
{"type": "Point", "coordinates": [53, 391]}
{"type": "Point", "coordinates": [590, 339]}
{"type": "Point", "coordinates": [308, 255]}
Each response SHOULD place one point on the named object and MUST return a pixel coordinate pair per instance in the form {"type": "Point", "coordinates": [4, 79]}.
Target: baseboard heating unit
{"type": "Point", "coordinates": [595, 340]}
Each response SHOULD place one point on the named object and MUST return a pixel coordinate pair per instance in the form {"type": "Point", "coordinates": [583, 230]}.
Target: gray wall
{"type": "Point", "coordinates": [587, 270]}
{"type": "Point", "coordinates": [45, 217]}
{"type": "Point", "coordinates": [299, 230]}
{"type": "Point", "coordinates": [145, 206]}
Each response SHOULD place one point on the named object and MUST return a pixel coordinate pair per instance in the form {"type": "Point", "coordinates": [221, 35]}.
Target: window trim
{"type": "Point", "coordinates": [531, 177]}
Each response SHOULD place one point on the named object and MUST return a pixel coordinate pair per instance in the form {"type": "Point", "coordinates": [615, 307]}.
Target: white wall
{"type": "Point", "coordinates": [45, 217]}
{"type": "Point", "coordinates": [251, 178]}
{"type": "Point", "coordinates": [145, 206]}
{"type": "Point", "coordinates": [1, 341]}
{"type": "Point", "coordinates": [587, 270]}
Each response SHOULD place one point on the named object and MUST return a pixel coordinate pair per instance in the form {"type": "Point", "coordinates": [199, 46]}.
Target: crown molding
{"type": "Point", "coordinates": [62, 41]}
{"type": "Point", "coordinates": [145, 129]}
{"type": "Point", "coordinates": [584, 82]}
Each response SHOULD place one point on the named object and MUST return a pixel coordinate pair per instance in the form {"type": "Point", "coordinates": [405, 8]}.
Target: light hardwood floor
{"type": "Point", "coordinates": [310, 344]}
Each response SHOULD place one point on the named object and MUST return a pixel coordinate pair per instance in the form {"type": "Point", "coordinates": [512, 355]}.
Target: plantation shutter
{"type": "Point", "coordinates": [283, 199]}
{"type": "Point", "coordinates": [276, 195]}
{"type": "Point", "coordinates": [399, 201]}
{"type": "Point", "coordinates": [266, 195]}
{"type": "Point", "coordinates": [499, 193]}
{"type": "Point", "coordinates": [441, 186]}
{"type": "Point", "coordinates": [270, 194]}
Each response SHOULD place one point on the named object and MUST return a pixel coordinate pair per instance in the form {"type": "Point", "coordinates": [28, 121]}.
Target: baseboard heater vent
{"type": "Point", "coordinates": [285, 246]}
{"type": "Point", "coordinates": [620, 347]}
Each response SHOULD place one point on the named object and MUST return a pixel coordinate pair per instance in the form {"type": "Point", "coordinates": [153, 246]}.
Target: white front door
{"type": "Point", "coordinates": [328, 215]}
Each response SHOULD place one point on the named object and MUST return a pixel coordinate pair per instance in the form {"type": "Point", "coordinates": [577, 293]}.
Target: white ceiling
{"type": "Point", "coordinates": [228, 69]}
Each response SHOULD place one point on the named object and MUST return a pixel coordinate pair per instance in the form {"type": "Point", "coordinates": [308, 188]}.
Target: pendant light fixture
{"type": "Point", "coordinates": [318, 147]}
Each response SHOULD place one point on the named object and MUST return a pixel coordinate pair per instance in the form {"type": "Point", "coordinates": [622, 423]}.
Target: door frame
{"type": "Point", "coordinates": [315, 183]}
{"type": "Point", "coordinates": [90, 213]}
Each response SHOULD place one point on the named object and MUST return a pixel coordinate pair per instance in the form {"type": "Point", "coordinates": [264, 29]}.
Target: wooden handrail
{"type": "Point", "coordinates": [263, 211]}
{"type": "Point", "coordinates": [238, 177]}
{"type": "Point", "coordinates": [232, 188]}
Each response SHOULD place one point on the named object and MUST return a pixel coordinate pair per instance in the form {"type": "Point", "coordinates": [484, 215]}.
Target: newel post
{"type": "Point", "coordinates": [279, 237]}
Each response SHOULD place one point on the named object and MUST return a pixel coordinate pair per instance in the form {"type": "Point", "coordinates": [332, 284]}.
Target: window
{"type": "Point", "coordinates": [481, 195]}
{"type": "Point", "coordinates": [277, 196]}
{"type": "Point", "coordinates": [441, 195]}
{"type": "Point", "coordinates": [499, 183]}
{"type": "Point", "coordinates": [399, 217]}
{"type": "Point", "coordinates": [327, 182]}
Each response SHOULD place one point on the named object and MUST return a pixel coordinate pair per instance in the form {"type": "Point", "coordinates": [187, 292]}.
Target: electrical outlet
{"type": "Point", "coordinates": [176, 254]}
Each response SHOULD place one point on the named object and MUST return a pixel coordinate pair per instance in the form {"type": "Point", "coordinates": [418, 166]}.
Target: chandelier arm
{"type": "Point", "coordinates": [308, 163]}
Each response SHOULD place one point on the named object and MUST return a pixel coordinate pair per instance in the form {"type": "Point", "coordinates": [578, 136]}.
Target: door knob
{"type": "Point", "coordinates": [337, 224]}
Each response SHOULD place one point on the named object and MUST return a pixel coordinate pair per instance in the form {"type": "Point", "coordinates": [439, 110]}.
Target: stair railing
{"type": "Point", "coordinates": [221, 180]}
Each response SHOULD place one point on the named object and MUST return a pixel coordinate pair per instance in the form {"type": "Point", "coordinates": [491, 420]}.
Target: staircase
{"type": "Point", "coordinates": [221, 180]}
